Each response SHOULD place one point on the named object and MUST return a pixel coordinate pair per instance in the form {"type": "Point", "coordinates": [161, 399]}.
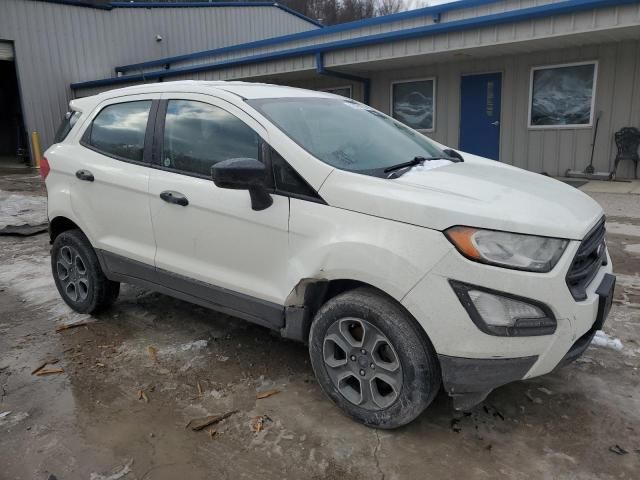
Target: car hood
{"type": "Point", "coordinates": [477, 192]}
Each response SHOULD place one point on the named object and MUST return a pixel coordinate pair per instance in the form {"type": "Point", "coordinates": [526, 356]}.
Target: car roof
{"type": "Point", "coordinates": [245, 90]}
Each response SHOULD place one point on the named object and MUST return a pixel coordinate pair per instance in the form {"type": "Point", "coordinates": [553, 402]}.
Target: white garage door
{"type": "Point", "coordinates": [6, 51]}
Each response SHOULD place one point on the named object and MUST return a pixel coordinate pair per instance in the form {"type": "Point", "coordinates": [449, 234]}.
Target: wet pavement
{"type": "Point", "coordinates": [134, 376]}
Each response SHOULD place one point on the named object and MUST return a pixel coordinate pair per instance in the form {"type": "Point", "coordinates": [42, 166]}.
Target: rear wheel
{"type": "Point", "coordinates": [78, 276]}
{"type": "Point", "coordinates": [372, 360]}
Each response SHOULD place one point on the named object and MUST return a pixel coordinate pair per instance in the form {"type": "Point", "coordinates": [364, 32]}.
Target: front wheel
{"type": "Point", "coordinates": [371, 360]}
{"type": "Point", "coordinates": [78, 276]}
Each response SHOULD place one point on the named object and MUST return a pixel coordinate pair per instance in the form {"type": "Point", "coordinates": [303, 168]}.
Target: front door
{"type": "Point", "coordinates": [480, 100]}
{"type": "Point", "coordinates": [213, 235]}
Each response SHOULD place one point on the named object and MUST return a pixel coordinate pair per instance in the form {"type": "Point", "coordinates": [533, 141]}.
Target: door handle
{"type": "Point", "coordinates": [85, 175]}
{"type": "Point", "coordinates": [174, 197]}
{"type": "Point", "coordinates": [496, 123]}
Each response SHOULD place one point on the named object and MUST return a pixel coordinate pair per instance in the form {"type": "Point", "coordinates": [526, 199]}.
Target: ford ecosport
{"type": "Point", "coordinates": [404, 264]}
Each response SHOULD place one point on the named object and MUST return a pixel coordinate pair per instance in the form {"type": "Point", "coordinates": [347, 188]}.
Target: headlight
{"type": "Point", "coordinates": [504, 249]}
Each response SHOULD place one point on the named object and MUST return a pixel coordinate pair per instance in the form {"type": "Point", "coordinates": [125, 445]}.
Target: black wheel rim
{"type": "Point", "coordinates": [362, 363]}
{"type": "Point", "coordinates": [71, 269]}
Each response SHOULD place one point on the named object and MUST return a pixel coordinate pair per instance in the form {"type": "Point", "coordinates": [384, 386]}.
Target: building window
{"type": "Point", "coordinates": [413, 102]}
{"type": "Point", "coordinates": [342, 91]}
{"type": "Point", "coordinates": [562, 96]}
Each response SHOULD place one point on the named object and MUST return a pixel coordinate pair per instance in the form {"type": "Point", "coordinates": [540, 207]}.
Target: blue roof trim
{"type": "Point", "coordinates": [487, 20]}
{"type": "Point", "coordinates": [213, 4]}
{"type": "Point", "coordinates": [112, 5]}
{"type": "Point", "coordinates": [188, 4]}
{"type": "Point", "coordinates": [80, 3]}
{"type": "Point", "coordinates": [420, 12]}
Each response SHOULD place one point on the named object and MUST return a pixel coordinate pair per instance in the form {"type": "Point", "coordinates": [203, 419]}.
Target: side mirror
{"type": "Point", "coordinates": [244, 174]}
{"type": "Point", "coordinates": [453, 154]}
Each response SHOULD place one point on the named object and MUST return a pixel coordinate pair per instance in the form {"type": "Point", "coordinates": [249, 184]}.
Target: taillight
{"type": "Point", "coordinates": [44, 168]}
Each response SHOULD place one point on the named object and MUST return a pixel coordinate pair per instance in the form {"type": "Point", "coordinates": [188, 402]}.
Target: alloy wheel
{"type": "Point", "coordinates": [362, 363]}
{"type": "Point", "coordinates": [72, 273]}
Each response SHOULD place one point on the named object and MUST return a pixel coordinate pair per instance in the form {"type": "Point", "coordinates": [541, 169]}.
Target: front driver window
{"type": "Point", "coordinates": [198, 135]}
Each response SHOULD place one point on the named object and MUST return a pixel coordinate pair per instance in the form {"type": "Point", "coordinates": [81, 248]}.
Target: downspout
{"type": "Point", "coordinates": [366, 82]}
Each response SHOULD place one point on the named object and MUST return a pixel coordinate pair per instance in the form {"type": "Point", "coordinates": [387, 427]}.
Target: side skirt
{"type": "Point", "coordinates": [255, 310]}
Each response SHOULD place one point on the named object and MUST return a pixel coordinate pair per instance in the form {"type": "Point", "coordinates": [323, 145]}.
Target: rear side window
{"type": "Point", "coordinates": [119, 130]}
{"type": "Point", "coordinates": [198, 135]}
{"type": "Point", "coordinates": [69, 120]}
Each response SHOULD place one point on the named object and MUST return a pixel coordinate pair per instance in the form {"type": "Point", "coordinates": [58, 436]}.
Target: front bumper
{"type": "Point", "coordinates": [470, 380]}
{"type": "Point", "coordinates": [473, 362]}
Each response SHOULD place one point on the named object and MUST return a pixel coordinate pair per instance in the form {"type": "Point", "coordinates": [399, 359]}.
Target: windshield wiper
{"type": "Point", "coordinates": [414, 162]}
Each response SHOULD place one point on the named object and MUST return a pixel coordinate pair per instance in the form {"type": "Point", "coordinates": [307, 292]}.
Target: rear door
{"type": "Point", "coordinates": [109, 190]}
{"type": "Point", "coordinates": [213, 235]}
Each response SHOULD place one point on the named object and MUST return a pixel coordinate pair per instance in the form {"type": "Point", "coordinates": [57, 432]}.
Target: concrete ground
{"type": "Point", "coordinates": [134, 376]}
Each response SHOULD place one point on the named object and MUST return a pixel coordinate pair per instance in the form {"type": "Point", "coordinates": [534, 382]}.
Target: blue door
{"type": "Point", "coordinates": [480, 114]}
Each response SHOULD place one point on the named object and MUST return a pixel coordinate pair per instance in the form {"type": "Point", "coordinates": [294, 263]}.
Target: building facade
{"type": "Point", "coordinates": [540, 84]}
{"type": "Point", "coordinates": [47, 45]}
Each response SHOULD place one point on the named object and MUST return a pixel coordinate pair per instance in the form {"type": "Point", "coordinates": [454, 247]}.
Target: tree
{"type": "Point", "coordinates": [387, 7]}
{"type": "Point", "coordinates": [330, 12]}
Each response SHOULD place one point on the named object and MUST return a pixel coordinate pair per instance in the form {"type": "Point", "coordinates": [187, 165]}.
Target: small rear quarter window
{"type": "Point", "coordinates": [69, 120]}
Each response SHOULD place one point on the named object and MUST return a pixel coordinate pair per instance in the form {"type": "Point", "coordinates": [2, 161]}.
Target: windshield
{"type": "Point", "coordinates": [346, 134]}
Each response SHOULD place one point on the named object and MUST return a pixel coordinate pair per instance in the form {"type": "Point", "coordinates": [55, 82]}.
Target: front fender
{"type": "Point", "coordinates": [331, 243]}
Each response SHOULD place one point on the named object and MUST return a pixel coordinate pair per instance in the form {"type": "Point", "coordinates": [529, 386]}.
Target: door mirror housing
{"type": "Point", "coordinates": [244, 174]}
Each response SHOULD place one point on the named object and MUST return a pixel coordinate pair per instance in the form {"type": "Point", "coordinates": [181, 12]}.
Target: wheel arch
{"type": "Point", "coordinates": [310, 294]}
{"type": "Point", "coordinates": [59, 225]}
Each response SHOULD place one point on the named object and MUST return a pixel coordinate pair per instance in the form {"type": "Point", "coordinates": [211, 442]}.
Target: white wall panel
{"type": "Point", "coordinates": [550, 150]}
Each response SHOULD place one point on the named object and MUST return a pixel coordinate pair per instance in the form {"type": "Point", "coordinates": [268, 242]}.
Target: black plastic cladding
{"type": "Point", "coordinates": [591, 255]}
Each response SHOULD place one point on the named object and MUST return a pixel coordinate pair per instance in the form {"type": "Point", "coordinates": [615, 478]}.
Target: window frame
{"type": "Point", "coordinates": [158, 137]}
{"type": "Point", "coordinates": [595, 63]}
{"type": "Point", "coordinates": [71, 113]}
{"type": "Point", "coordinates": [332, 90]}
{"type": "Point", "coordinates": [435, 92]}
{"type": "Point", "coordinates": [316, 198]}
{"type": "Point", "coordinates": [148, 134]}
{"type": "Point", "coordinates": [264, 155]}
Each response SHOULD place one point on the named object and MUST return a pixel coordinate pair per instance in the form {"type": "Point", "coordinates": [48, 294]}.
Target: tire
{"type": "Point", "coordinates": [78, 275]}
{"type": "Point", "coordinates": [397, 376]}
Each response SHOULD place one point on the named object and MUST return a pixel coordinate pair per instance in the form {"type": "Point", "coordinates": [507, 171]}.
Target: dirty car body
{"type": "Point", "coordinates": [328, 221]}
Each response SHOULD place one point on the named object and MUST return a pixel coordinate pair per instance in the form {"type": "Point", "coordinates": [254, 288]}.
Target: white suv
{"type": "Point", "coordinates": [404, 264]}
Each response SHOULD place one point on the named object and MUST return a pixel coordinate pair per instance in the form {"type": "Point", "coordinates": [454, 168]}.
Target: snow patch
{"type": "Point", "coordinates": [192, 346]}
{"type": "Point", "coordinates": [116, 475]}
{"type": "Point", "coordinates": [11, 420]}
{"type": "Point", "coordinates": [633, 248]}
{"type": "Point", "coordinates": [30, 278]}
{"type": "Point", "coordinates": [601, 339]}
{"type": "Point", "coordinates": [17, 209]}
{"type": "Point", "coordinates": [196, 345]}
{"type": "Point", "coordinates": [623, 229]}
{"type": "Point", "coordinates": [416, 174]}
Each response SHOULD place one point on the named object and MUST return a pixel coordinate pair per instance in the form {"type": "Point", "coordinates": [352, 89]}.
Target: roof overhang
{"type": "Point", "coordinates": [591, 35]}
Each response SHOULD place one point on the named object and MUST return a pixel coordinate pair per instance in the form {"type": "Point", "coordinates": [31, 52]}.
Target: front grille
{"type": "Point", "coordinates": [591, 255]}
